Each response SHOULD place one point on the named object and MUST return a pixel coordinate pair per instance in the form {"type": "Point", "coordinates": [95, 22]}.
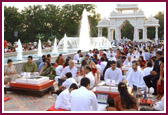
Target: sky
{"type": "Point", "coordinates": [103, 8]}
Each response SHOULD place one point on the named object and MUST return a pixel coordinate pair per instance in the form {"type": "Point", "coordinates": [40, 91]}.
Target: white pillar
{"type": "Point", "coordinates": [156, 34]}
{"type": "Point", "coordinates": [118, 34]}
{"type": "Point", "coordinates": [138, 34]}
{"type": "Point", "coordinates": [145, 34]}
{"type": "Point", "coordinates": [109, 34]}
{"type": "Point", "coordinates": [135, 34]}
{"type": "Point", "coordinates": [112, 36]}
{"type": "Point", "coordinates": [99, 32]}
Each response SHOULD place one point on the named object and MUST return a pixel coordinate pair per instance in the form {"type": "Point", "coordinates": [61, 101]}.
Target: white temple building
{"type": "Point", "coordinates": [136, 18]}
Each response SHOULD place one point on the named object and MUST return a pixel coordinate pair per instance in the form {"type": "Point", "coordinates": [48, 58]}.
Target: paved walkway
{"type": "Point", "coordinates": [19, 102]}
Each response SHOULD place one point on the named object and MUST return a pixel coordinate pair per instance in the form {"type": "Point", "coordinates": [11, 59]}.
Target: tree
{"type": "Point", "coordinates": [12, 23]}
{"type": "Point", "coordinates": [127, 31]}
{"type": "Point", "coordinates": [160, 17]}
{"type": "Point", "coordinates": [151, 30]}
{"type": "Point", "coordinates": [50, 21]}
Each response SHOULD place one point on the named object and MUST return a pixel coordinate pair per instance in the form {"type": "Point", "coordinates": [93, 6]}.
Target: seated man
{"type": "Point", "coordinates": [151, 80]}
{"type": "Point", "coordinates": [30, 66]}
{"type": "Point", "coordinates": [128, 61]}
{"type": "Point", "coordinates": [135, 77]}
{"type": "Point", "coordinates": [67, 83]}
{"type": "Point", "coordinates": [121, 61]}
{"type": "Point", "coordinates": [113, 73]}
{"type": "Point", "coordinates": [89, 75]}
{"type": "Point", "coordinates": [71, 68]}
{"type": "Point", "coordinates": [77, 56]}
{"type": "Point", "coordinates": [103, 63]}
{"type": "Point", "coordinates": [111, 55]}
{"type": "Point", "coordinates": [82, 99]}
{"type": "Point", "coordinates": [63, 100]}
{"type": "Point", "coordinates": [148, 69]}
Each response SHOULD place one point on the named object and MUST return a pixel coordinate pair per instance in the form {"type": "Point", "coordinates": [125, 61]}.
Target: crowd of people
{"type": "Point", "coordinates": [146, 69]}
{"type": "Point", "coordinates": [9, 47]}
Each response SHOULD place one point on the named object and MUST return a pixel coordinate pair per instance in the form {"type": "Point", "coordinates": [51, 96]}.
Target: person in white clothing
{"type": "Point", "coordinates": [128, 61]}
{"type": "Point", "coordinates": [89, 75]}
{"type": "Point", "coordinates": [111, 54]}
{"type": "Point", "coordinates": [103, 63]}
{"type": "Point", "coordinates": [83, 99]}
{"type": "Point", "coordinates": [63, 99]}
{"type": "Point", "coordinates": [140, 54]}
{"type": "Point", "coordinates": [135, 77]}
{"type": "Point", "coordinates": [90, 53]}
{"type": "Point", "coordinates": [69, 81]}
{"type": "Point", "coordinates": [77, 56]}
{"type": "Point", "coordinates": [148, 69]}
{"type": "Point", "coordinates": [59, 69]}
{"type": "Point", "coordinates": [113, 73]}
{"type": "Point", "coordinates": [99, 68]}
{"type": "Point", "coordinates": [130, 54]}
{"type": "Point", "coordinates": [71, 68]}
{"type": "Point", "coordinates": [159, 105]}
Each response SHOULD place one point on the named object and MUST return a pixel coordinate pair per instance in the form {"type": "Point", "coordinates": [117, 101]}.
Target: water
{"type": "Point", "coordinates": [65, 43]}
{"type": "Point", "coordinates": [55, 49]}
{"type": "Point", "coordinates": [39, 53]}
{"type": "Point", "coordinates": [84, 36]}
{"type": "Point", "coordinates": [35, 56]}
{"type": "Point", "coordinates": [84, 42]}
{"type": "Point", "coordinates": [19, 50]}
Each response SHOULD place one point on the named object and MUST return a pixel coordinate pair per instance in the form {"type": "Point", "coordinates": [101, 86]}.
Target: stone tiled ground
{"type": "Point", "coordinates": [19, 102]}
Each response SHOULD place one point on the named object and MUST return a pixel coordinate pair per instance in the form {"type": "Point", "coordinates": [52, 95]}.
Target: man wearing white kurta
{"type": "Point", "coordinates": [148, 69]}
{"type": "Point", "coordinates": [111, 55]}
{"type": "Point", "coordinates": [113, 73]}
{"type": "Point", "coordinates": [63, 99]}
{"type": "Point", "coordinates": [128, 61]}
{"type": "Point", "coordinates": [103, 63]}
{"type": "Point", "coordinates": [89, 75]}
{"type": "Point", "coordinates": [135, 77]}
{"type": "Point", "coordinates": [77, 56]}
{"type": "Point", "coordinates": [90, 54]}
{"type": "Point", "coordinates": [69, 81]}
{"type": "Point", "coordinates": [83, 99]}
{"type": "Point", "coordinates": [71, 68]}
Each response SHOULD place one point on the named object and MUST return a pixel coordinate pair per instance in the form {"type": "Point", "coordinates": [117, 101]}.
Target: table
{"type": "Point", "coordinates": [37, 90]}
{"type": "Point", "coordinates": [110, 93]}
{"type": "Point", "coordinates": [125, 69]}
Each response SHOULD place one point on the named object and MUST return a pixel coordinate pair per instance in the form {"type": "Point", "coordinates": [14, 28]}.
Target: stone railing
{"type": "Point", "coordinates": [20, 64]}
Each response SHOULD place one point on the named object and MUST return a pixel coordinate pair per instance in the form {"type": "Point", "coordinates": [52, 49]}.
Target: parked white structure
{"type": "Point", "coordinates": [136, 18]}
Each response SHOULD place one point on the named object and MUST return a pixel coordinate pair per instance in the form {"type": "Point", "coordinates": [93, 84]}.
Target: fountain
{"type": "Point", "coordinates": [84, 36]}
{"type": "Point", "coordinates": [70, 44]}
{"type": "Point", "coordinates": [55, 49]}
{"type": "Point", "coordinates": [65, 43]}
{"type": "Point", "coordinates": [84, 42]}
{"type": "Point", "coordinates": [39, 53]}
{"type": "Point", "coordinates": [19, 50]}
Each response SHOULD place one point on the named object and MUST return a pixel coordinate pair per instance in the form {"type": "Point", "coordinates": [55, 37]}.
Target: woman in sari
{"type": "Point", "coordinates": [10, 73]}
{"type": "Point", "coordinates": [48, 70]}
{"type": "Point", "coordinates": [160, 82]}
{"type": "Point", "coordinates": [60, 60]}
{"type": "Point", "coordinates": [95, 72]}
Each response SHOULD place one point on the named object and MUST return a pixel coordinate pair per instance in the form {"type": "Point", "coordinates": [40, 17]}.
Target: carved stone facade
{"type": "Point", "coordinates": [117, 20]}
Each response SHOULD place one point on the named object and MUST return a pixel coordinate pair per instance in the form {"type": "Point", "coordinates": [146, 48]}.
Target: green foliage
{"type": "Point", "coordinates": [51, 21]}
{"type": "Point", "coordinates": [127, 30]}
{"type": "Point", "coordinates": [12, 23]}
